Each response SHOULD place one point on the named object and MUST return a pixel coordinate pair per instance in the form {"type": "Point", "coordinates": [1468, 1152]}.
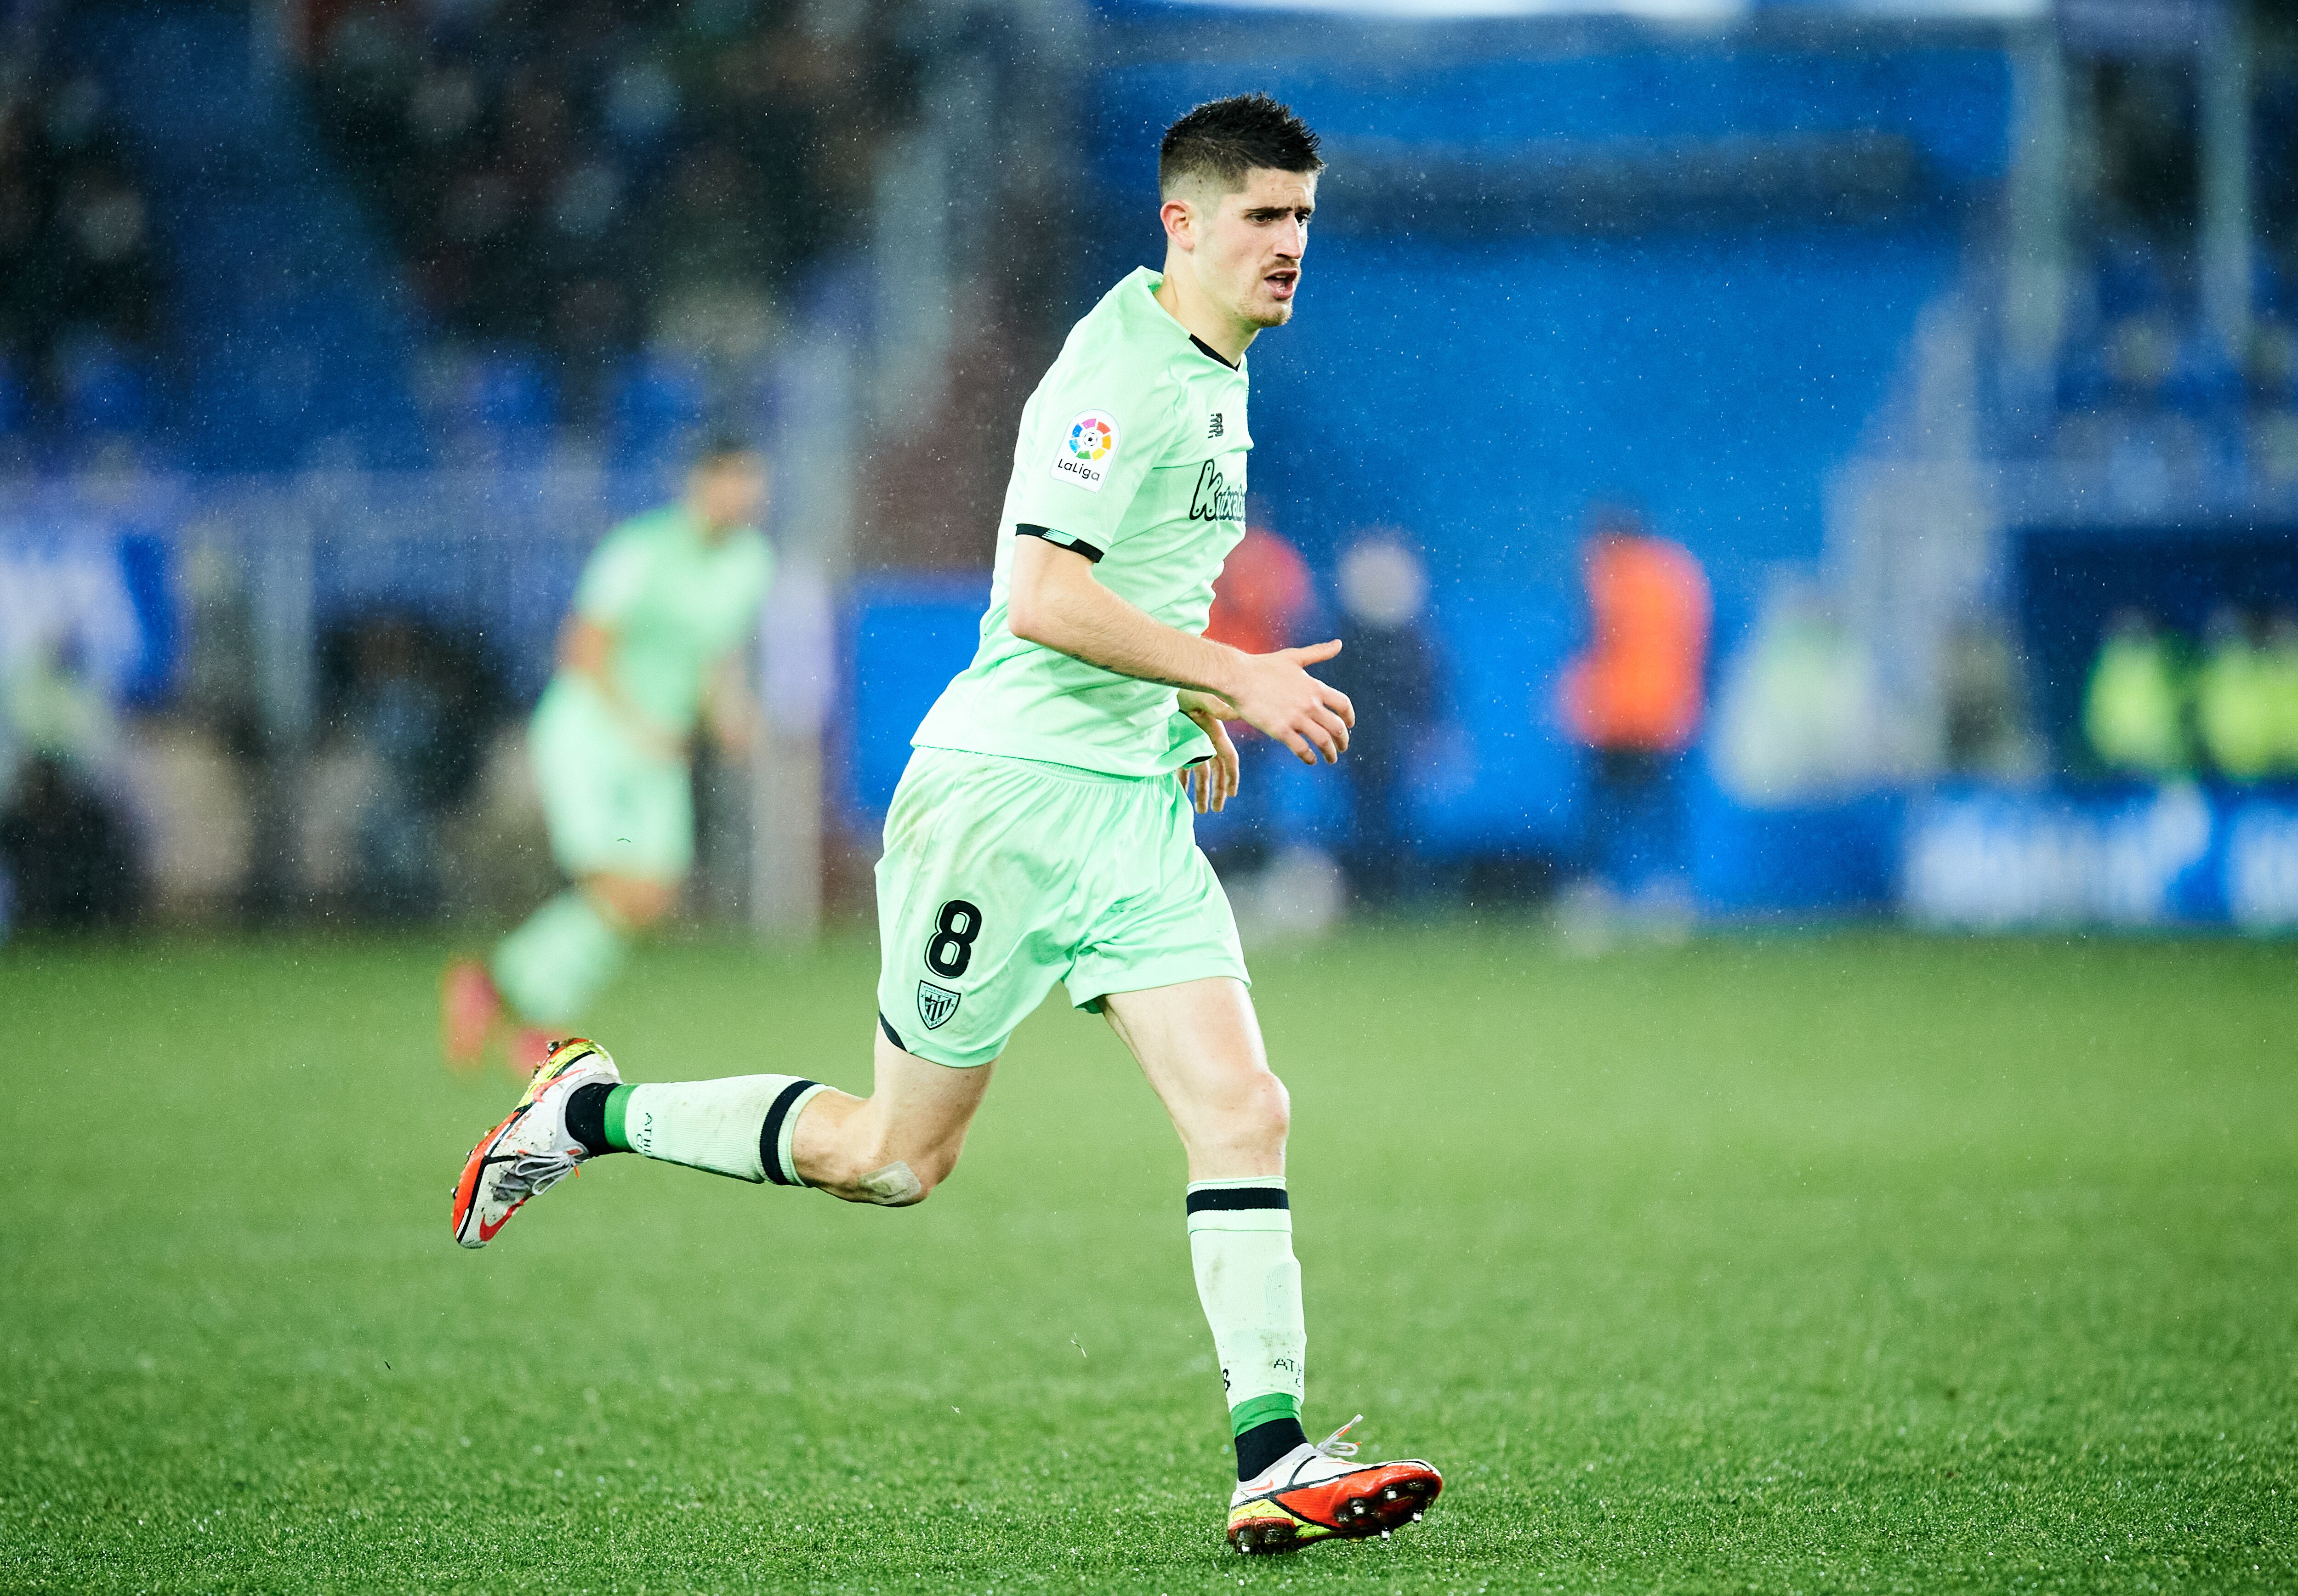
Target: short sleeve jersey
{"type": "Point", "coordinates": [1132, 451]}
{"type": "Point", "coordinates": [675, 602]}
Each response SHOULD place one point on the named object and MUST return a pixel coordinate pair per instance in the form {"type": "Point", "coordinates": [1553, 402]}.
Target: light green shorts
{"type": "Point", "coordinates": [1002, 876]}
{"type": "Point", "coordinates": [611, 809]}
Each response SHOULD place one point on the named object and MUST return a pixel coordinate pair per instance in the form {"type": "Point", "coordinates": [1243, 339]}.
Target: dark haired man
{"type": "Point", "coordinates": [1043, 832]}
{"type": "Point", "coordinates": [648, 651]}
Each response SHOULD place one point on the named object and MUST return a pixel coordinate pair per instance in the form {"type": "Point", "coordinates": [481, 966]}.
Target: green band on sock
{"type": "Point", "coordinates": [1244, 1416]}
{"type": "Point", "coordinates": [619, 1104]}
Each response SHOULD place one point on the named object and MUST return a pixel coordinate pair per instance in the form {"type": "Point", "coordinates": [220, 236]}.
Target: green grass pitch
{"type": "Point", "coordinates": [1833, 1263]}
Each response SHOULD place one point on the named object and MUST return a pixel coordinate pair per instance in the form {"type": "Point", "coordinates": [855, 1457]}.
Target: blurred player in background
{"type": "Point", "coordinates": [652, 650]}
{"type": "Point", "coordinates": [1042, 834]}
{"type": "Point", "coordinates": [1388, 660]}
{"type": "Point", "coordinates": [1261, 599]}
{"type": "Point", "coordinates": [2135, 705]}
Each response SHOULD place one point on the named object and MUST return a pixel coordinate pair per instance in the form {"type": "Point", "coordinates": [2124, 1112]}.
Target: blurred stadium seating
{"type": "Point", "coordinates": [1943, 337]}
{"type": "Point", "coordinates": [78, 280]}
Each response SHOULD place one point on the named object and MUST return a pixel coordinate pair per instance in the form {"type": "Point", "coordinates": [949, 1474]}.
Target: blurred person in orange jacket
{"type": "Point", "coordinates": [1634, 697]}
{"type": "Point", "coordinates": [1261, 600]}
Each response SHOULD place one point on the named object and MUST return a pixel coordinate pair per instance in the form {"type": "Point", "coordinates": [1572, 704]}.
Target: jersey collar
{"type": "Point", "coordinates": [1149, 282]}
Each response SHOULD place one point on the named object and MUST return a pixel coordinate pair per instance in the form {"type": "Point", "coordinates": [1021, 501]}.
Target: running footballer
{"type": "Point", "coordinates": [1043, 832]}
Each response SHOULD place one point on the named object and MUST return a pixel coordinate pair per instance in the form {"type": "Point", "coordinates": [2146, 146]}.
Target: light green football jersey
{"type": "Point", "coordinates": [675, 602]}
{"type": "Point", "coordinates": [1132, 451]}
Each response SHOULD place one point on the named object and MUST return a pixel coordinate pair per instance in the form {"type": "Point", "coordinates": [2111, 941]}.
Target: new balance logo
{"type": "Point", "coordinates": [1215, 428]}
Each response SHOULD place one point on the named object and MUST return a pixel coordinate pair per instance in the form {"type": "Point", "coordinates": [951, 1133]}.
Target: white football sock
{"type": "Point", "coordinates": [1241, 1241]}
{"type": "Point", "coordinates": [741, 1126]}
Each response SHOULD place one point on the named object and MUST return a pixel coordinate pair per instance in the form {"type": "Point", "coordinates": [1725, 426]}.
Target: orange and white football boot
{"type": "Point", "coordinates": [529, 1151]}
{"type": "Point", "coordinates": [1316, 1493]}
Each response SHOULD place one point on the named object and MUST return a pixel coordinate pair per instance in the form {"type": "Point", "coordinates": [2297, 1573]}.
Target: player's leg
{"type": "Point", "coordinates": [1165, 967]}
{"type": "Point", "coordinates": [893, 1147]}
{"type": "Point", "coordinates": [890, 1148]}
{"type": "Point", "coordinates": [964, 961]}
{"type": "Point", "coordinates": [621, 827]}
{"type": "Point", "coordinates": [563, 956]}
{"type": "Point", "coordinates": [1199, 1044]}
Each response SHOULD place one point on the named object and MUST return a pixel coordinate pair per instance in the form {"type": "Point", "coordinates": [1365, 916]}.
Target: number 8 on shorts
{"type": "Point", "coordinates": [951, 948]}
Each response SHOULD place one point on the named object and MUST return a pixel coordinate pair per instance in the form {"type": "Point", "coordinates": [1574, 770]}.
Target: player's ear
{"type": "Point", "coordinates": [1180, 222]}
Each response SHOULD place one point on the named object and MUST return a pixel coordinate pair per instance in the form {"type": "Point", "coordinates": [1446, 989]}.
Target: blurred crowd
{"type": "Point", "coordinates": [2150, 396]}
{"type": "Point", "coordinates": [2159, 708]}
{"type": "Point", "coordinates": [2148, 390]}
{"type": "Point", "coordinates": [78, 275]}
{"type": "Point", "coordinates": [570, 185]}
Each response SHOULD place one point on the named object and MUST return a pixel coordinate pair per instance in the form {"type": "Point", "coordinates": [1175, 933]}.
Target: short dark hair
{"type": "Point", "coordinates": [718, 450]}
{"type": "Point", "coordinates": [1224, 139]}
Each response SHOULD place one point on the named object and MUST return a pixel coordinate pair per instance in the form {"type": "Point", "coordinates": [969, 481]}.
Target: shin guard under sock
{"type": "Point", "coordinates": [740, 1127]}
{"type": "Point", "coordinates": [1241, 1245]}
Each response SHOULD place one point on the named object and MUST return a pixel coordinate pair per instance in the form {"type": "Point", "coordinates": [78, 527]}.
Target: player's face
{"type": "Point", "coordinates": [1249, 246]}
{"type": "Point", "coordinates": [729, 493]}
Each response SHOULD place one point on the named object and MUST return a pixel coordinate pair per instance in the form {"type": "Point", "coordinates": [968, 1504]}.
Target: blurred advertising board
{"type": "Point", "coordinates": [1996, 859]}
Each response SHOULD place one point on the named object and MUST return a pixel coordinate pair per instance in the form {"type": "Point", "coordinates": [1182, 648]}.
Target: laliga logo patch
{"type": "Point", "coordinates": [1083, 458]}
{"type": "Point", "coordinates": [936, 1004]}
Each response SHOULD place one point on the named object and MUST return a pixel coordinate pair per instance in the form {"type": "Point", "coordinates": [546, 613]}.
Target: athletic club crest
{"type": "Point", "coordinates": [936, 1004]}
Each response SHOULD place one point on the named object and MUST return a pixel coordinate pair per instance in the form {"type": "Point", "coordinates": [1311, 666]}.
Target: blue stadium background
{"type": "Point", "coordinates": [1472, 368]}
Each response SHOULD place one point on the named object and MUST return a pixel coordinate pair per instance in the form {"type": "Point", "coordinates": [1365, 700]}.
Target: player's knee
{"type": "Point", "coordinates": [888, 1177]}
{"type": "Point", "coordinates": [648, 905]}
{"type": "Point", "coordinates": [1266, 1114]}
{"type": "Point", "coordinates": [931, 1166]}
{"type": "Point", "coordinates": [1253, 1120]}
{"type": "Point", "coordinates": [634, 904]}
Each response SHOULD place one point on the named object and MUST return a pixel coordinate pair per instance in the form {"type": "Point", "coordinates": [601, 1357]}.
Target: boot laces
{"type": "Point", "coordinates": [533, 1173]}
{"type": "Point", "coordinates": [1333, 1446]}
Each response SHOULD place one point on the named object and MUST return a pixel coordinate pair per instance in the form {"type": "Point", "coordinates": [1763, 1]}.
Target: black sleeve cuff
{"type": "Point", "coordinates": [1059, 540]}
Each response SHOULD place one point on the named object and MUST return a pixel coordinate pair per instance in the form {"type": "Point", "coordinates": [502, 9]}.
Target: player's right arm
{"type": "Point", "coordinates": [1054, 600]}
{"type": "Point", "coordinates": [586, 648]}
{"type": "Point", "coordinates": [614, 582]}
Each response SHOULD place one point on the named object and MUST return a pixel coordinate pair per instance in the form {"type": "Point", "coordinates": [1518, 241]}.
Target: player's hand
{"type": "Point", "coordinates": [734, 728]}
{"type": "Point", "coordinates": [1275, 693]}
{"type": "Point", "coordinates": [652, 739]}
{"type": "Point", "coordinates": [1211, 782]}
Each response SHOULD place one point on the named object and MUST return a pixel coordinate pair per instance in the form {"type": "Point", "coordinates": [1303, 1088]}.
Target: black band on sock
{"type": "Point", "coordinates": [770, 1134]}
{"type": "Point", "coordinates": [1230, 1199]}
{"type": "Point", "coordinates": [1264, 1443]}
{"type": "Point", "coordinates": [586, 1117]}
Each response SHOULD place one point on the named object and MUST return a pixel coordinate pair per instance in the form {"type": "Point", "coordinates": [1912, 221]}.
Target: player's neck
{"type": "Point", "coordinates": [706, 529]}
{"type": "Point", "coordinates": [1200, 316]}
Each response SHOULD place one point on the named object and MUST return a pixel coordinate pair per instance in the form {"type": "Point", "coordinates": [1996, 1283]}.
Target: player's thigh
{"type": "Point", "coordinates": [1199, 1044]}
{"type": "Point", "coordinates": [974, 898]}
{"type": "Point", "coordinates": [609, 809]}
{"type": "Point", "coordinates": [1163, 920]}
